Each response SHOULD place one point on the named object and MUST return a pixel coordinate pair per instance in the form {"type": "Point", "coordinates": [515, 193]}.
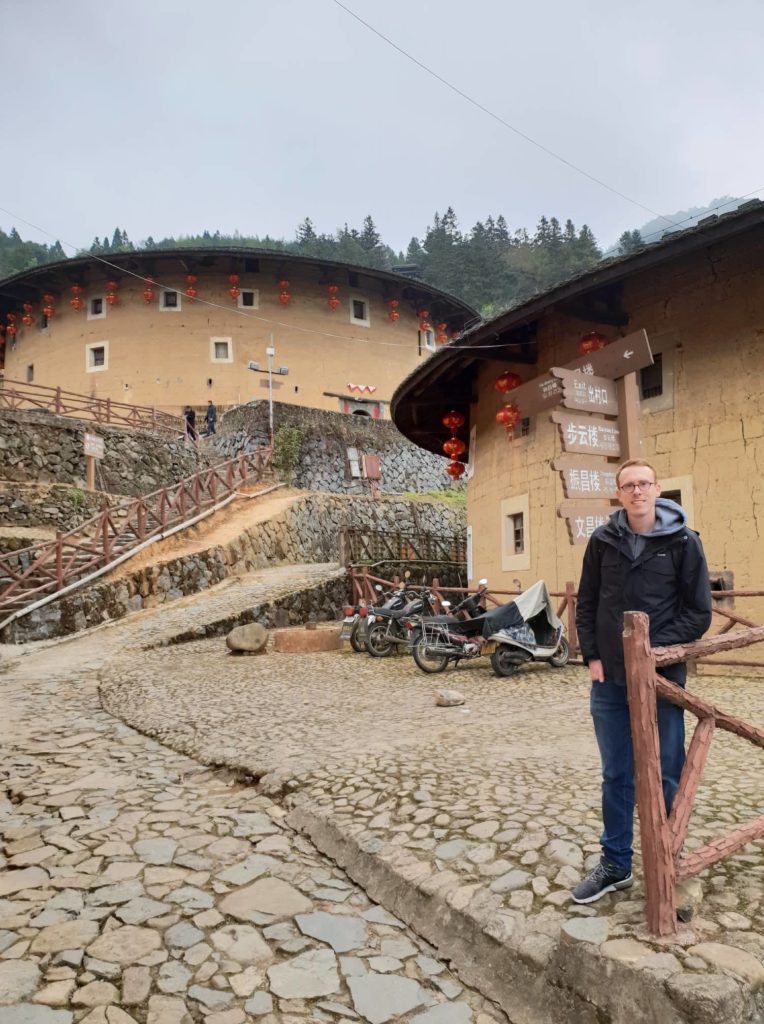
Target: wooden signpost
{"type": "Point", "coordinates": [94, 449]}
{"type": "Point", "coordinates": [589, 435]}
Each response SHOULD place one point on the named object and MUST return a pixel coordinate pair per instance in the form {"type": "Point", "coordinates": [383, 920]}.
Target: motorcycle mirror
{"type": "Point", "coordinates": [378, 587]}
{"type": "Point", "coordinates": [482, 583]}
{"type": "Point", "coordinates": [446, 604]}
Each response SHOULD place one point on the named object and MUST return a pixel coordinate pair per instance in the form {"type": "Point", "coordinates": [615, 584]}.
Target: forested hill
{"type": "Point", "coordinates": [490, 266]}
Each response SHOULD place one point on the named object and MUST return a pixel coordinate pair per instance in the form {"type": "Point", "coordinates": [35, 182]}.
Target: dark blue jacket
{"type": "Point", "coordinates": [668, 580]}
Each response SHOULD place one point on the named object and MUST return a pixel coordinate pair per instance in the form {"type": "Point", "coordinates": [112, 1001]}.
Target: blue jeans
{"type": "Point", "coordinates": [610, 712]}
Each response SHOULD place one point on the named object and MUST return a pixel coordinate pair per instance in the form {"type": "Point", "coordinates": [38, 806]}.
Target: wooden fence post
{"type": "Point", "coordinates": [570, 599]}
{"type": "Point", "coordinates": [59, 560]}
{"type": "Point", "coordinates": [657, 857]}
{"type": "Point", "coordinates": [105, 535]}
{"type": "Point", "coordinates": [57, 406]}
{"type": "Point", "coordinates": [108, 410]}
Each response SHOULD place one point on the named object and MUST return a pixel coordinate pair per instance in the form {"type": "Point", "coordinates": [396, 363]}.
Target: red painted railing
{"type": "Point", "coordinates": [15, 394]}
{"type": "Point", "coordinates": [40, 571]}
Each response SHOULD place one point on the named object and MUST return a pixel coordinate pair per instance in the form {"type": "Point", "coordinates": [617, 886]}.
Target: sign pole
{"type": "Point", "coordinates": [90, 472]}
{"type": "Point", "coordinates": [629, 420]}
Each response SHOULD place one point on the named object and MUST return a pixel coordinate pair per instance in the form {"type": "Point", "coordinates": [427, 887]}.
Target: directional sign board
{"type": "Point", "coordinates": [588, 435]}
{"type": "Point", "coordinates": [93, 446]}
{"type": "Point", "coordinates": [583, 520]}
{"type": "Point", "coordinates": [613, 362]}
{"type": "Point", "coordinates": [587, 393]}
{"type": "Point", "coordinates": [584, 477]}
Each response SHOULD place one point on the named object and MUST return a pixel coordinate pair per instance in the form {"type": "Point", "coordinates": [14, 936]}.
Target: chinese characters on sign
{"type": "Point", "coordinates": [587, 392]}
{"type": "Point", "coordinates": [588, 435]}
{"type": "Point", "coordinates": [583, 521]}
{"type": "Point", "coordinates": [589, 480]}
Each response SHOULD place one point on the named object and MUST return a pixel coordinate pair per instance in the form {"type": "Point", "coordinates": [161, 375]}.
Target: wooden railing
{"type": "Point", "coordinates": [372, 546]}
{"type": "Point", "coordinates": [662, 835]}
{"type": "Point", "coordinates": [43, 570]}
{"type": "Point", "coordinates": [16, 395]}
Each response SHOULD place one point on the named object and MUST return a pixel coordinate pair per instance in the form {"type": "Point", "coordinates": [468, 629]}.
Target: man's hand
{"type": "Point", "coordinates": [596, 670]}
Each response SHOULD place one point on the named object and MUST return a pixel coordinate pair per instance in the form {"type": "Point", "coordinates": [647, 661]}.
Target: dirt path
{"type": "Point", "coordinates": [220, 528]}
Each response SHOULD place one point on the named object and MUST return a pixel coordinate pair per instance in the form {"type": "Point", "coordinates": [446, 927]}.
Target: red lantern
{"type": "Point", "coordinates": [393, 303]}
{"type": "Point", "coordinates": [191, 280]}
{"type": "Point", "coordinates": [393, 315]}
{"type": "Point", "coordinates": [592, 342]}
{"type": "Point", "coordinates": [76, 304]}
{"type": "Point", "coordinates": [233, 280]}
{"type": "Point", "coordinates": [332, 289]}
{"type": "Point", "coordinates": [455, 470]}
{"type": "Point", "coordinates": [509, 416]}
{"type": "Point", "coordinates": [76, 290]}
{"type": "Point", "coordinates": [508, 381]}
{"type": "Point", "coordinates": [112, 298]}
{"type": "Point", "coordinates": [334, 302]}
{"type": "Point", "coordinates": [283, 285]}
{"type": "Point", "coordinates": [48, 299]}
{"type": "Point", "coordinates": [11, 330]}
{"type": "Point", "coordinates": [454, 447]}
{"type": "Point", "coordinates": [284, 298]}
{"type": "Point", "coordinates": [48, 311]}
{"type": "Point", "coordinates": [233, 291]}
{"type": "Point", "coordinates": [148, 292]}
{"type": "Point", "coordinates": [27, 307]}
{"type": "Point", "coordinates": [27, 319]}
{"type": "Point", "coordinates": [11, 318]}
{"type": "Point", "coordinates": [453, 420]}
{"type": "Point", "coordinates": [191, 292]}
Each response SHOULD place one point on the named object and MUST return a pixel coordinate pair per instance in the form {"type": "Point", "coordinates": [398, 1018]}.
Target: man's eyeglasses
{"type": "Point", "coordinates": [643, 485]}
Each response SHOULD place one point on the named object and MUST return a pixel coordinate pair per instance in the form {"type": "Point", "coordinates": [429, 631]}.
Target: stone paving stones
{"type": "Point", "coordinates": [167, 893]}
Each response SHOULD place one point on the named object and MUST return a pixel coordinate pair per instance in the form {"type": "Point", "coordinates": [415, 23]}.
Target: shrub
{"type": "Point", "coordinates": [287, 445]}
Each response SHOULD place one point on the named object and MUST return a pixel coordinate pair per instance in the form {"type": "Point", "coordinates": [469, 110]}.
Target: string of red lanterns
{"type": "Point", "coordinates": [48, 308]}
{"type": "Point", "coordinates": [424, 320]}
{"type": "Point", "coordinates": [76, 301]}
{"type": "Point", "coordinates": [333, 300]}
{"type": "Point", "coordinates": [393, 315]}
{"type": "Point", "coordinates": [454, 446]}
{"type": "Point", "coordinates": [111, 292]}
{"type": "Point", "coordinates": [592, 342]}
{"type": "Point", "coordinates": [284, 296]}
{"type": "Point", "coordinates": [191, 291]}
{"type": "Point", "coordinates": [442, 333]}
{"type": "Point", "coordinates": [148, 291]}
{"type": "Point", "coordinates": [11, 329]}
{"type": "Point", "coordinates": [234, 291]}
{"type": "Point", "coordinates": [27, 319]}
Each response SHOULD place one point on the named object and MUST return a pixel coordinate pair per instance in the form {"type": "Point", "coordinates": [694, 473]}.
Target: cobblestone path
{"type": "Point", "coordinates": [138, 885]}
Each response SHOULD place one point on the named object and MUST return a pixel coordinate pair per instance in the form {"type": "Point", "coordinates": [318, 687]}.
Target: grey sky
{"type": "Point", "coordinates": [168, 117]}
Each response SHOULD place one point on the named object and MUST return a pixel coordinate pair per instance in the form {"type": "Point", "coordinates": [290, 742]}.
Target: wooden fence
{"type": "Point", "coordinates": [36, 572]}
{"type": "Point", "coordinates": [15, 395]}
{"type": "Point", "coordinates": [662, 836]}
{"type": "Point", "coordinates": [374, 546]}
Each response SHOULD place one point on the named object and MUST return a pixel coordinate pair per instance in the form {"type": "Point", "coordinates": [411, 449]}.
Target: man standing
{"type": "Point", "coordinates": [212, 417]}
{"type": "Point", "coordinates": [190, 417]}
{"type": "Point", "coordinates": [643, 559]}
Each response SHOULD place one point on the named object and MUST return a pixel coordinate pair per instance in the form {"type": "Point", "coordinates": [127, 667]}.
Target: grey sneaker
{"type": "Point", "coordinates": [605, 878]}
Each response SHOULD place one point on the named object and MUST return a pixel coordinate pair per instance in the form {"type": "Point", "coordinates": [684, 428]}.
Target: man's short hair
{"type": "Point", "coordinates": [634, 462]}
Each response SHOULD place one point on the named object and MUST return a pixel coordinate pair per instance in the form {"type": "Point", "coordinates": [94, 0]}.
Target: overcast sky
{"type": "Point", "coordinates": [168, 117]}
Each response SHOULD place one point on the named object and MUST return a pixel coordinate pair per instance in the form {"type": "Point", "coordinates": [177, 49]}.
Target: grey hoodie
{"type": "Point", "coordinates": [669, 518]}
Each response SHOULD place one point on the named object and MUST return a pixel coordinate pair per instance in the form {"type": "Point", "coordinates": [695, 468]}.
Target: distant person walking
{"type": "Point", "coordinates": [190, 418]}
{"type": "Point", "coordinates": [212, 417]}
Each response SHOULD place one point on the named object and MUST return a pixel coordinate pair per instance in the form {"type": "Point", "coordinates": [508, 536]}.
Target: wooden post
{"type": "Point", "coordinates": [59, 560]}
{"type": "Point", "coordinates": [108, 410]}
{"type": "Point", "coordinates": [90, 472]}
{"type": "Point", "coordinates": [57, 406]}
{"type": "Point", "coordinates": [700, 745]}
{"type": "Point", "coordinates": [629, 420]}
{"type": "Point", "coordinates": [657, 858]}
{"type": "Point", "coordinates": [105, 536]}
{"type": "Point", "coordinates": [343, 552]}
{"type": "Point", "coordinates": [436, 593]}
{"type": "Point", "coordinates": [570, 602]}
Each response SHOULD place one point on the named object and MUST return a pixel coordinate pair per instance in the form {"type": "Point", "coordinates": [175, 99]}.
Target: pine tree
{"type": "Point", "coordinates": [630, 241]}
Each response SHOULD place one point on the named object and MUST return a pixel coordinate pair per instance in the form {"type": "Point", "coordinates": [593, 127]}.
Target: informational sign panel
{"type": "Point", "coordinates": [587, 393]}
{"type": "Point", "coordinates": [613, 362]}
{"type": "Point", "coordinates": [94, 446]}
{"type": "Point", "coordinates": [588, 435]}
{"type": "Point", "coordinates": [583, 520]}
{"type": "Point", "coordinates": [588, 478]}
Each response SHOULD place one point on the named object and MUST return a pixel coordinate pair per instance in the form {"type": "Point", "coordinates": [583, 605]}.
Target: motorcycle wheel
{"type": "Point", "coordinates": [560, 657]}
{"type": "Point", "coordinates": [377, 643]}
{"type": "Point", "coordinates": [358, 645]}
{"type": "Point", "coordinates": [427, 660]}
{"type": "Point", "coordinates": [501, 663]}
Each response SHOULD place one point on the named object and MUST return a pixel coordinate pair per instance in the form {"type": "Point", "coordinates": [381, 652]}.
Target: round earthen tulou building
{"type": "Point", "coordinates": [169, 328]}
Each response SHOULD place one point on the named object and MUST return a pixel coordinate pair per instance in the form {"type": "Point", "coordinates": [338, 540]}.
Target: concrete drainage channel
{"type": "Point", "coordinates": [534, 978]}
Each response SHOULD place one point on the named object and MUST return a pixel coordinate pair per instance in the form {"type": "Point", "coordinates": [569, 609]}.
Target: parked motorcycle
{"type": "Point", "coordinates": [523, 630]}
{"type": "Point", "coordinates": [394, 628]}
{"type": "Point", "coordinates": [358, 617]}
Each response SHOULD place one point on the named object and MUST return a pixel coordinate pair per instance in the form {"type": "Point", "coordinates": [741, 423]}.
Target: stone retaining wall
{"type": "Point", "coordinates": [326, 437]}
{"type": "Point", "coordinates": [307, 531]}
{"type": "Point", "coordinates": [38, 446]}
{"type": "Point", "coordinates": [56, 506]}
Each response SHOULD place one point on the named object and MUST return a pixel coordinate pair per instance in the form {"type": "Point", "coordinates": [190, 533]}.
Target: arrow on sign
{"type": "Point", "coordinates": [628, 354]}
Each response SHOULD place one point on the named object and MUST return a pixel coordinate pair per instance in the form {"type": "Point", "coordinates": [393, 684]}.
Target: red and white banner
{"type": "Point", "coordinates": [362, 388]}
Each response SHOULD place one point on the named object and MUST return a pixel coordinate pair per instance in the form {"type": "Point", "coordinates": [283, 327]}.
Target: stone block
{"type": "Point", "coordinates": [305, 641]}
